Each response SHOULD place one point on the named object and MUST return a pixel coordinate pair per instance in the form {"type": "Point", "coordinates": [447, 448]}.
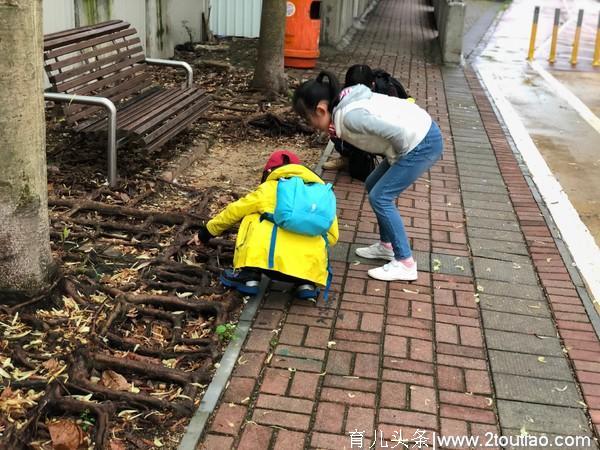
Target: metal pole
{"type": "Point", "coordinates": [577, 37]}
{"type": "Point", "coordinates": [552, 57]}
{"type": "Point", "coordinates": [596, 61]}
{"type": "Point", "coordinates": [112, 125]}
{"type": "Point", "coordinates": [112, 145]}
{"type": "Point", "coordinates": [534, 25]}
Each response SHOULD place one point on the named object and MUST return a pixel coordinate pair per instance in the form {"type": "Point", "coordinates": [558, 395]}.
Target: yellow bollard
{"type": "Point", "coordinates": [534, 25]}
{"type": "Point", "coordinates": [596, 61]}
{"type": "Point", "coordinates": [577, 37]}
{"type": "Point", "coordinates": [552, 57]}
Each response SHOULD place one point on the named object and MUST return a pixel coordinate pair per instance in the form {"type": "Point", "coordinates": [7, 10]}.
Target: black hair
{"type": "Point", "coordinates": [266, 173]}
{"type": "Point", "coordinates": [360, 74]}
{"type": "Point", "coordinates": [308, 95]}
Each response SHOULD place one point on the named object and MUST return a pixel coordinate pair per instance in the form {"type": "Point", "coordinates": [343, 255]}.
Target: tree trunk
{"type": "Point", "coordinates": [25, 259]}
{"type": "Point", "coordinates": [269, 75]}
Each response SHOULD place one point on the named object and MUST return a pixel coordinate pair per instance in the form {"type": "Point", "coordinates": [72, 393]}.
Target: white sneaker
{"type": "Point", "coordinates": [375, 251]}
{"type": "Point", "coordinates": [394, 271]}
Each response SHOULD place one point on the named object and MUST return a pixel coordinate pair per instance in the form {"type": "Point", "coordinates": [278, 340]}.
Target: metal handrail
{"type": "Point", "coordinates": [112, 125]}
{"type": "Point", "coordinates": [169, 62]}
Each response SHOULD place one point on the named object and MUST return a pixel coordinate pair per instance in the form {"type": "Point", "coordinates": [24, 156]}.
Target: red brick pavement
{"type": "Point", "coordinates": [388, 357]}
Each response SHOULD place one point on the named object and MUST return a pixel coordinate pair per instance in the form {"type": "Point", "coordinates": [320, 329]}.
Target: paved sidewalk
{"type": "Point", "coordinates": [494, 336]}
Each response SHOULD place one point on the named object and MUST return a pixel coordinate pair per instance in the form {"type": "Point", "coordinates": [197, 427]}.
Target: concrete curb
{"type": "Point", "coordinates": [185, 161]}
{"type": "Point", "coordinates": [359, 23]}
{"type": "Point", "coordinates": [200, 419]}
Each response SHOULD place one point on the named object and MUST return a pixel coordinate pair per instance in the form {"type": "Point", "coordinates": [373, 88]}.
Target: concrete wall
{"type": "Point", "coordinates": [187, 13]}
{"type": "Point", "coordinates": [338, 17]}
{"type": "Point", "coordinates": [450, 19]}
{"type": "Point", "coordinates": [159, 22]}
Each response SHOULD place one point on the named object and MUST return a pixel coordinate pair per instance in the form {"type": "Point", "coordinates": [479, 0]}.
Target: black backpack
{"type": "Point", "coordinates": [388, 85]}
{"type": "Point", "coordinates": [360, 163]}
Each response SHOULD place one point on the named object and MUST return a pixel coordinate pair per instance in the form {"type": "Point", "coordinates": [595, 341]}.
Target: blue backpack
{"type": "Point", "coordinates": [304, 208]}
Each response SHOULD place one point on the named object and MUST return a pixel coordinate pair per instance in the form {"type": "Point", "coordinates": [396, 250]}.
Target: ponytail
{"type": "Point", "coordinates": [311, 92]}
{"type": "Point", "coordinates": [360, 74]}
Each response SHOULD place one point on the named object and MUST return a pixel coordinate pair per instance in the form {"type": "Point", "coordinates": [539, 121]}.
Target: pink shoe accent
{"type": "Point", "coordinates": [387, 245]}
{"type": "Point", "coordinates": [407, 262]}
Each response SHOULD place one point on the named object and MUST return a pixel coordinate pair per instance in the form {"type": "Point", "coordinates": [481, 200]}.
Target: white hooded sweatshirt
{"type": "Point", "coordinates": [380, 124]}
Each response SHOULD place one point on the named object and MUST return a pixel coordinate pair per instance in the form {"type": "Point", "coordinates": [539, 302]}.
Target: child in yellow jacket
{"type": "Point", "coordinates": [299, 258]}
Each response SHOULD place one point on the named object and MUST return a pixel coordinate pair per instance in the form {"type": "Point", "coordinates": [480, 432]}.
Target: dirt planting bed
{"type": "Point", "coordinates": [117, 354]}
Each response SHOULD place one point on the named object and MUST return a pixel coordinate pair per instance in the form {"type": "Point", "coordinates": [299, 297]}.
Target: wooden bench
{"type": "Point", "coordinates": [99, 74]}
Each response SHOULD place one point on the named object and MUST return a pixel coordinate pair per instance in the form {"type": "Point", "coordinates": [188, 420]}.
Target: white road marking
{"type": "Point", "coordinates": [575, 234]}
{"type": "Point", "coordinates": [581, 108]}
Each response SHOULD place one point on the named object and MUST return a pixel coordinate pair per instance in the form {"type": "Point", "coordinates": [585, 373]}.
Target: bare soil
{"type": "Point", "coordinates": [118, 353]}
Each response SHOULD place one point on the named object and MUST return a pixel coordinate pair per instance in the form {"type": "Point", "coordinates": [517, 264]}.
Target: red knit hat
{"type": "Point", "coordinates": [277, 159]}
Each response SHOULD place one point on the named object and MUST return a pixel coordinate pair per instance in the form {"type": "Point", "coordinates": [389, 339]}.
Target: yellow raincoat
{"type": "Point", "coordinates": [296, 255]}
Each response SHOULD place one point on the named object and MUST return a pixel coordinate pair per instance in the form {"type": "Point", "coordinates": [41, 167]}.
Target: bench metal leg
{"type": "Point", "coordinates": [112, 125]}
{"type": "Point", "coordinates": [112, 146]}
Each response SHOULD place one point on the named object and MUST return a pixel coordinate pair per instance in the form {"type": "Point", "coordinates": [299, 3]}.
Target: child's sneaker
{"type": "Point", "coordinates": [336, 164]}
{"type": "Point", "coordinates": [395, 271]}
{"type": "Point", "coordinates": [307, 292]}
{"type": "Point", "coordinates": [243, 281]}
{"type": "Point", "coordinates": [375, 251]}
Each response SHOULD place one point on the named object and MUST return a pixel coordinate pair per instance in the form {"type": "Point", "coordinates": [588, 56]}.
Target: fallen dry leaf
{"type": "Point", "coordinates": [6, 393]}
{"type": "Point", "coordinates": [65, 435]}
{"type": "Point", "coordinates": [51, 365]}
{"type": "Point", "coordinates": [114, 380]}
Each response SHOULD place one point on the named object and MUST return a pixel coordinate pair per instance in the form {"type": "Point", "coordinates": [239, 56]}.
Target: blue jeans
{"type": "Point", "coordinates": [386, 183]}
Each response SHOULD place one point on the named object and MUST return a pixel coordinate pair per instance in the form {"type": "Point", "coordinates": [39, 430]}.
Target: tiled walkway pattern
{"type": "Point", "coordinates": [472, 345]}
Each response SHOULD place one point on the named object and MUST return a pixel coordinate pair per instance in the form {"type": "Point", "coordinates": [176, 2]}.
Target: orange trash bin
{"type": "Point", "coordinates": [302, 33]}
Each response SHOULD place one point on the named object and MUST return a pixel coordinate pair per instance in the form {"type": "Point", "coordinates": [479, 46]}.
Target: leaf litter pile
{"type": "Point", "coordinates": [117, 354]}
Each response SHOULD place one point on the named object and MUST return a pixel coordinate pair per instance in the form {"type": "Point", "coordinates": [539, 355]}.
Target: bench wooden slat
{"type": "Point", "coordinates": [115, 72]}
{"type": "Point", "coordinates": [177, 124]}
{"type": "Point", "coordinates": [173, 106]}
{"type": "Point", "coordinates": [150, 108]}
{"type": "Point", "coordinates": [84, 35]}
{"type": "Point", "coordinates": [98, 64]}
{"type": "Point", "coordinates": [115, 94]}
{"type": "Point", "coordinates": [91, 54]}
{"type": "Point", "coordinates": [61, 51]}
{"type": "Point", "coordinates": [155, 134]}
{"type": "Point", "coordinates": [58, 34]}
{"type": "Point", "coordinates": [141, 103]}
{"type": "Point", "coordinates": [141, 108]}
